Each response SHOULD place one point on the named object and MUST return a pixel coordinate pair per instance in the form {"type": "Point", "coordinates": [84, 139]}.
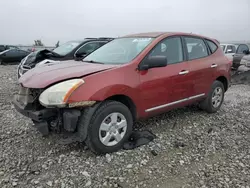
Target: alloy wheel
{"type": "Point", "coordinates": [217, 97]}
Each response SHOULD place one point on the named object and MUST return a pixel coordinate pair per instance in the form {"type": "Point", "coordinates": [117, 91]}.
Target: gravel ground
{"type": "Point", "coordinates": [193, 149]}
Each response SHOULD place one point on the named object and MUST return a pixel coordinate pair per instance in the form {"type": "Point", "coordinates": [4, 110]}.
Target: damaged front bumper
{"type": "Point", "coordinates": [47, 119]}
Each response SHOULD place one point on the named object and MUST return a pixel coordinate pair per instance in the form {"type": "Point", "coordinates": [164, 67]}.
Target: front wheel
{"type": "Point", "coordinates": [214, 99]}
{"type": "Point", "coordinates": [109, 128]}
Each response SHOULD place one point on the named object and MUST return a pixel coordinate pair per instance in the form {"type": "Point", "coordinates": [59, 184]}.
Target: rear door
{"type": "Point", "coordinates": [166, 87]}
{"type": "Point", "coordinates": [201, 63]}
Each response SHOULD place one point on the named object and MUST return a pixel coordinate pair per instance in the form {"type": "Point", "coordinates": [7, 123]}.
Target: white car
{"type": "Point", "coordinates": [229, 50]}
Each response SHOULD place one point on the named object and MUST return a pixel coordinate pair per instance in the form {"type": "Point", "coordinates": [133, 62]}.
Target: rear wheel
{"type": "Point", "coordinates": [109, 128]}
{"type": "Point", "coordinates": [214, 99]}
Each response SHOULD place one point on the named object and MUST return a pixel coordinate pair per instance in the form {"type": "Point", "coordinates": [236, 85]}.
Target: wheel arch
{"type": "Point", "coordinates": [224, 81]}
{"type": "Point", "coordinates": [127, 101]}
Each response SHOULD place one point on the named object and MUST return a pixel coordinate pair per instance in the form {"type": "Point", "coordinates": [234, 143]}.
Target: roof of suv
{"type": "Point", "coordinates": [99, 38]}
{"type": "Point", "coordinates": [157, 34]}
{"type": "Point", "coordinates": [92, 39]}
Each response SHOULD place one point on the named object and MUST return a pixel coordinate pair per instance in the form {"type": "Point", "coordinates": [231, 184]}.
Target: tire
{"type": "Point", "coordinates": [210, 105]}
{"type": "Point", "coordinates": [96, 138]}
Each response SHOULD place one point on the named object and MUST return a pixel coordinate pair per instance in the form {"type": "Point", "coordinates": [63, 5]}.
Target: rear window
{"type": "Point", "coordinates": [213, 47]}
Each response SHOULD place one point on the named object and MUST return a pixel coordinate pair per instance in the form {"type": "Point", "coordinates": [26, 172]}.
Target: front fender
{"type": "Point", "coordinates": [83, 94]}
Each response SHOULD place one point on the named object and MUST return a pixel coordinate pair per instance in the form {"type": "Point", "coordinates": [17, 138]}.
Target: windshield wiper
{"type": "Point", "coordinates": [91, 61]}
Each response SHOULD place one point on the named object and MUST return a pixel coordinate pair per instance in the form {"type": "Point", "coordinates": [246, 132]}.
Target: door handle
{"type": "Point", "coordinates": [214, 65]}
{"type": "Point", "coordinates": [183, 72]}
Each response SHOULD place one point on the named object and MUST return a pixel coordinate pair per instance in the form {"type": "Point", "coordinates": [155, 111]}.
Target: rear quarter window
{"type": "Point", "coordinates": [213, 47]}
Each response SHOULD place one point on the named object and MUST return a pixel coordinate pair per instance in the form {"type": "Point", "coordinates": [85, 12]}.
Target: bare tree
{"type": "Point", "coordinates": [38, 43]}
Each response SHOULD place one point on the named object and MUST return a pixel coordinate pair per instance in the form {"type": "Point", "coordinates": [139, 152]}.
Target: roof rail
{"type": "Point", "coordinates": [90, 38]}
{"type": "Point", "coordinates": [107, 38]}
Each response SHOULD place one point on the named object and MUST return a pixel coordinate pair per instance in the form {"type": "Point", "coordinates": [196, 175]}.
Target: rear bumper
{"type": "Point", "coordinates": [39, 115]}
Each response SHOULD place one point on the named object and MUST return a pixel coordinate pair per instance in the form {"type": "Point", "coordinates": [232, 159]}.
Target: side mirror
{"type": "Point", "coordinates": [229, 51]}
{"type": "Point", "coordinates": [153, 62]}
{"type": "Point", "coordinates": [247, 52]}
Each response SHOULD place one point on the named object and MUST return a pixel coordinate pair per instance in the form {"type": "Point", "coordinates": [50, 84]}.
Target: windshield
{"type": "Point", "coordinates": [223, 47]}
{"type": "Point", "coordinates": [119, 51]}
{"type": "Point", "coordinates": [66, 48]}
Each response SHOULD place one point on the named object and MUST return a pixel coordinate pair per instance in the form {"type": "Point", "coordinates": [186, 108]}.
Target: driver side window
{"type": "Point", "coordinates": [88, 48]}
{"type": "Point", "coordinates": [171, 48]}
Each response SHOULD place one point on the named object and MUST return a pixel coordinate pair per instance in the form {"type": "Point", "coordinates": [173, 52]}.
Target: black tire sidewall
{"type": "Point", "coordinates": [93, 131]}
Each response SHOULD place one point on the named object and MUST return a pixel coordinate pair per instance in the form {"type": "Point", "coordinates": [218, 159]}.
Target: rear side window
{"type": "Point", "coordinates": [196, 48]}
{"type": "Point", "coordinates": [213, 47]}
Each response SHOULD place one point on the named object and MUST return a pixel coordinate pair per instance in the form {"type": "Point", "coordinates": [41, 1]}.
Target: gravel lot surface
{"type": "Point", "coordinates": [193, 149]}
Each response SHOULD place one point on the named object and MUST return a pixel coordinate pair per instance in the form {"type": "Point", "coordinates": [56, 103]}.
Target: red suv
{"type": "Point", "coordinates": [131, 77]}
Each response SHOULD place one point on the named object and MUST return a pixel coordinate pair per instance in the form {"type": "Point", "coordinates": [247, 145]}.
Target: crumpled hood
{"type": "Point", "coordinates": [44, 75]}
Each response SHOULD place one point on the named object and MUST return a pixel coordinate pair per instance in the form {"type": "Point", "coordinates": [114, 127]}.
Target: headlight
{"type": "Point", "coordinates": [58, 94]}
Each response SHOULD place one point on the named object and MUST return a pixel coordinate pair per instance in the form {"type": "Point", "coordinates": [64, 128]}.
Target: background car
{"type": "Point", "coordinates": [229, 50]}
{"type": "Point", "coordinates": [241, 51]}
{"type": "Point", "coordinates": [77, 49]}
{"type": "Point", "coordinates": [12, 55]}
{"type": "Point", "coordinates": [6, 47]}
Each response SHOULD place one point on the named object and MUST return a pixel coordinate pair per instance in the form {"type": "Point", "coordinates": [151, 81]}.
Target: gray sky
{"type": "Point", "coordinates": [22, 21]}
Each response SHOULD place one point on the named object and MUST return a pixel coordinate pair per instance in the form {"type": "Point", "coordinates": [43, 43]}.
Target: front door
{"type": "Point", "coordinates": [165, 87]}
